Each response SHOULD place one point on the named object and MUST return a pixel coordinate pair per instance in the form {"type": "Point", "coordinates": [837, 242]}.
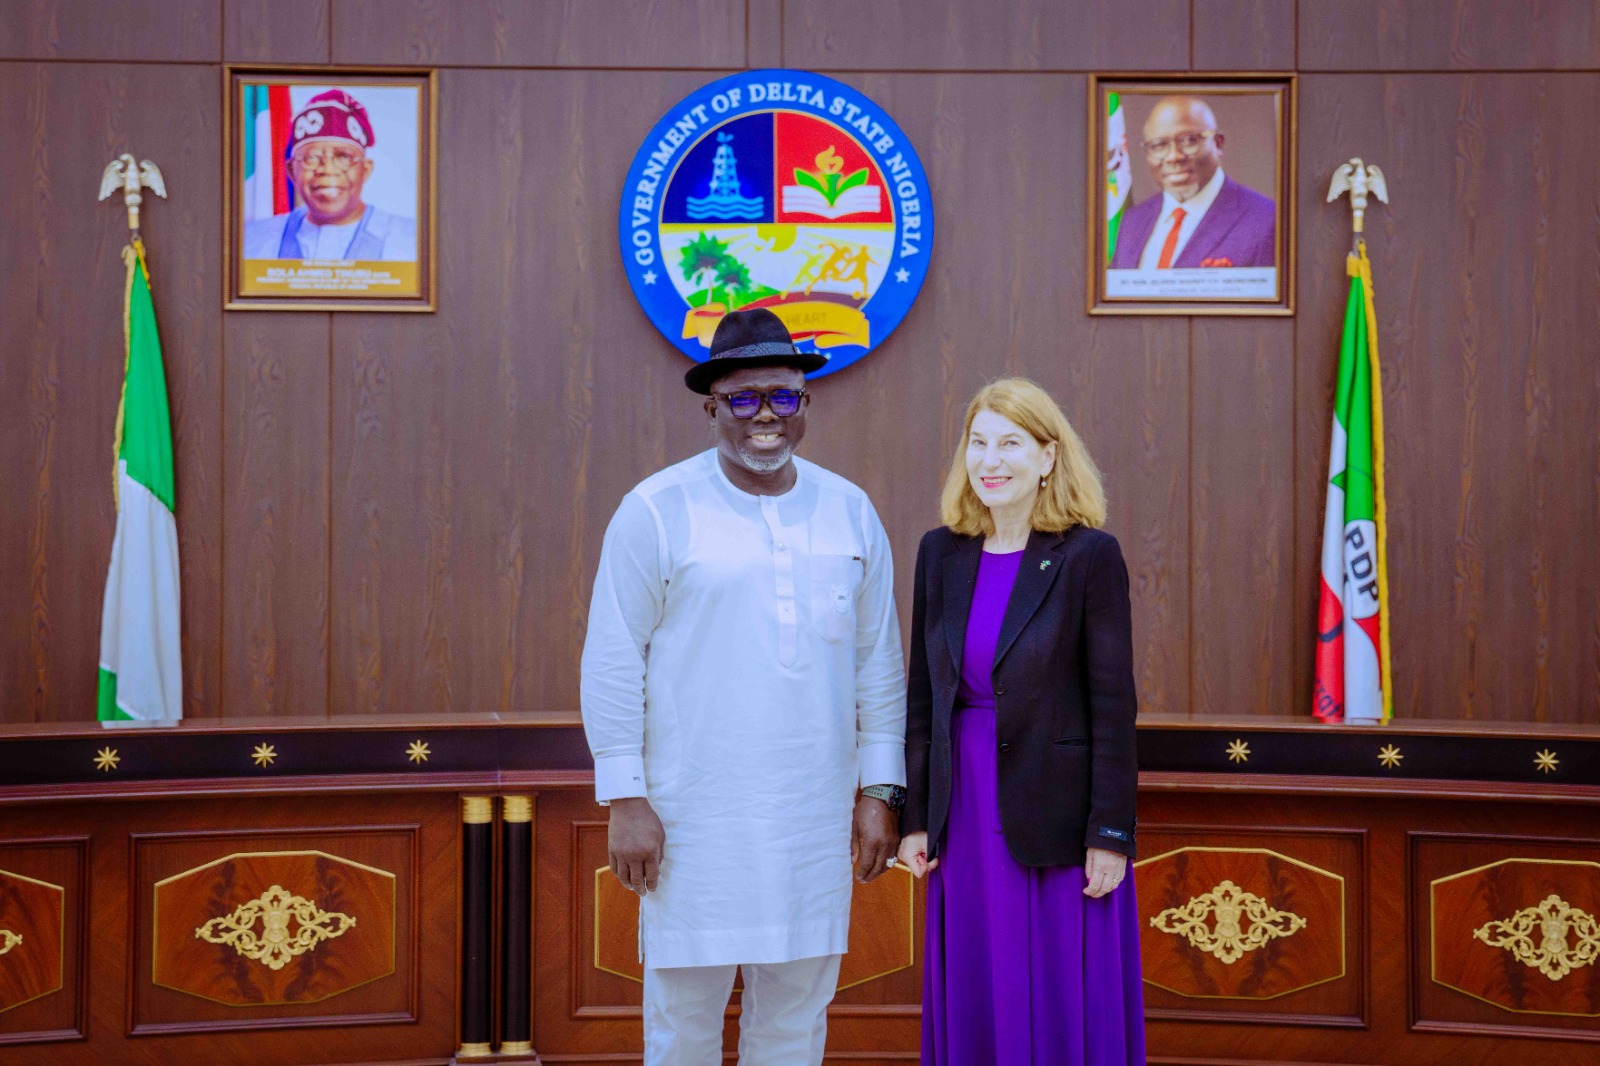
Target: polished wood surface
{"type": "Point", "coordinates": [383, 513]}
{"type": "Point", "coordinates": [1388, 879]}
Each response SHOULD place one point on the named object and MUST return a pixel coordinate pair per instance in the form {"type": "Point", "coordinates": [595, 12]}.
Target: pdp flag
{"type": "Point", "coordinates": [1119, 174]}
{"type": "Point", "coordinates": [1352, 662]}
{"type": "Point", "coordinates": [141, 668]}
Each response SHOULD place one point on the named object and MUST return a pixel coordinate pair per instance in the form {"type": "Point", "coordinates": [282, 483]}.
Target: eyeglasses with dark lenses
{"type": "Point", "coordinates": [747, 402]}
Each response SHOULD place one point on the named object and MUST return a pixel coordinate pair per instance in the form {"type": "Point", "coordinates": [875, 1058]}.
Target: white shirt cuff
{"type": "Point", "coordinates": [882, 764]}
{"type": "Point", "coordinates": [618, 777]}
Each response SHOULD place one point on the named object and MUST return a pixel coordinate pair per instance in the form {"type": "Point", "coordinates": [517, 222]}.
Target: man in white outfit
{"type": "Point", "coordinates": [744, 697]}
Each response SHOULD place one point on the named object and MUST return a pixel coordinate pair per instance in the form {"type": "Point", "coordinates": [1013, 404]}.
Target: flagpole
{"type": "Point", "coordinates": [1361, 180]}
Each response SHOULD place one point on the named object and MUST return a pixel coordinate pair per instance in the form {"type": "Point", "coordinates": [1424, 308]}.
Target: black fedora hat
{"type": "Point", "coordinates": [756, 337]}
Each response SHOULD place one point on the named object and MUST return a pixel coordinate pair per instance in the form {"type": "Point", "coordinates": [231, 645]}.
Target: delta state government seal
{"type": "Point", "coordinates": [777, 189]}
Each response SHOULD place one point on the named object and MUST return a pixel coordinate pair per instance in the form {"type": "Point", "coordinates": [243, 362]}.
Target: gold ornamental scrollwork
{"type": "Point", "coordinates": [1228, 922]}
{"type": "Point", "coordinates": [1538, 937]}
{"type": "Point", "coordinates": [8, 940]}
{"type": "Point", "coordinates": [275, 944]}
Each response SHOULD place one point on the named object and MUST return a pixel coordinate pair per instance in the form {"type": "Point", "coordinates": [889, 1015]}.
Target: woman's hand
{"type": "Point", "coordinates": [1103, 869]}
{"type": "Point", "coordinates": [913, 854]}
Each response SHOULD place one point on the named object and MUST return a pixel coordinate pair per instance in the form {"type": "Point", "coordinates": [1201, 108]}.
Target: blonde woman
{"type": "Point", "coordinates": [1021, 771]}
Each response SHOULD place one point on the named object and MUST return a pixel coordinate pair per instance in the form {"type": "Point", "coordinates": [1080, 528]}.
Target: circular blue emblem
{"type": "Point", "coordinates": [777, 189]}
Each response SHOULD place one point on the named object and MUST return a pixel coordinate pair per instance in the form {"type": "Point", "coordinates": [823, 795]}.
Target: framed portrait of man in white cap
{"type": "Point", "coordinates": [330, 189]}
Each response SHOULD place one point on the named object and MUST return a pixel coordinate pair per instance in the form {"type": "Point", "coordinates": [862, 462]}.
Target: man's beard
{"type": "Point", "coordinates": [764, 464]}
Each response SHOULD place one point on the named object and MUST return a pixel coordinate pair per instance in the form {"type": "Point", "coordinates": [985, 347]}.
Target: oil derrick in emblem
{"type": "Point", "coordinates": [725, 199]}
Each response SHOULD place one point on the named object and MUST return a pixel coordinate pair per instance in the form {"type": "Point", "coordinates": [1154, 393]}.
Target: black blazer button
{"type": "Point", "coordinates": [999, 690]}
{"type": "Point", "coordinates": [1005, 747]}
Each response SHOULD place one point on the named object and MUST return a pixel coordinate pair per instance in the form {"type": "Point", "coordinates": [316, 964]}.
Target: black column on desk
{"type": "Point", "coordinates": [477, 865]}
{"type": "Point", "coordinates": [516, 925]}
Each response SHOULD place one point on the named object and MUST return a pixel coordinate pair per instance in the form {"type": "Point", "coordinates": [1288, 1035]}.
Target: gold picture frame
{"type": "Point", "coordinates": [379, 253]}
{"type": "Point", "coordinates": [1215, 267]}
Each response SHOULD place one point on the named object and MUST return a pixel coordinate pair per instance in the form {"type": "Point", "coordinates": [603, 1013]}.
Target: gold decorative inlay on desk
{"type": "Point", "coordinates": [1389, 755]}
{"type": "Point", "coordinates": [106, 759]}
{"type": "Point", "coordinates": [1538, 937]}
{"type": "Point", "coordinates": [418, 752]}
{"type": "Point", "coordinates": [275, 945]}
{"type": "Point", "coordinates": [8, 940]}
{"type": "Point", "coordinates": [1228, 922]}
{"type": "Point", "coordinates": [264, 754]}
{"type": "Point", "coordinates": [1546, 761]}
{"type": "Point", "coordinates": [1238, 751]}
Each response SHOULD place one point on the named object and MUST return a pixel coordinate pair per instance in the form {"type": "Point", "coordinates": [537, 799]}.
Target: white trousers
{"type": "Point", "coordinates": [783, 1020]}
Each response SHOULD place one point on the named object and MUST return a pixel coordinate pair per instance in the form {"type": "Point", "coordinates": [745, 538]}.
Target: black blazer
{"type": "Point", "coordinates": [1064, 694]}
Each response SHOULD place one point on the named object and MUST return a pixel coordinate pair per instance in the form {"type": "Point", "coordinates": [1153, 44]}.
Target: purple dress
{"type": "Point", "coordinates": [1022, 969]}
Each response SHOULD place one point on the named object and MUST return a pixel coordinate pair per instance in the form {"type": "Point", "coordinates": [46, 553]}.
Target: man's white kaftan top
{"type": "Point", "coordinates": [743, 671]}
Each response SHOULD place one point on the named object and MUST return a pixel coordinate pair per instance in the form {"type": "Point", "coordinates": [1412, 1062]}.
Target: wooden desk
{"type": "Point", "coordinates": [1373, 878]}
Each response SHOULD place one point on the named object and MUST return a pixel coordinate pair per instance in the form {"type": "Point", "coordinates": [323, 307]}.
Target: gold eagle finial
{"type": "Point", "coordinates": [1359, 181]}
{"type": "Point", "coordinates": [133, 176]}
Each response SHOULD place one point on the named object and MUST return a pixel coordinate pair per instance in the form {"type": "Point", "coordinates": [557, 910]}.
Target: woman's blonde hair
{"type": "Point", "coordinates": [1071, 495]}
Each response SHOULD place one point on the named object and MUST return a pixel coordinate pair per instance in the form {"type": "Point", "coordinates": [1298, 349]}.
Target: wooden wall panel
{"type": "Point", "coordinates": [360, 884]}
{"type": "Point", "coordinates": [960, 35]}
{"type": "Point", "coordinates": [1242, 517]}
{"type": "Point", "coordinates": [63, 351]}
{"type": "Point", "coordinates": [1242, 924]}
{"type": "Point", "coordinates": [43, 922]}
{"type": "Point", "coordinates": [132, 844]}
{"type": "Point", "coordinates": [1244, 34]}
{"type": "Point", "coordinates": [172, 31]}
{"type": "Point", "coordinates": [1448, 35]}
{"type": "Point", "coordinates": [469, 460]}
{"type": "Point", "coordinates": [1471, 974]}
{"type": "Point", "coordinates": [276, 531]}
{"type": "Point", "coordinates": [276, 31]}
{"type": "Point", "coordinates": [541, 33]}
{"type": "Point", "coordinates": [992, 305]}
{"type": "Point", "coordinates": [1482, 267]}
{"type": "Point", "coordinates": [479, 452]}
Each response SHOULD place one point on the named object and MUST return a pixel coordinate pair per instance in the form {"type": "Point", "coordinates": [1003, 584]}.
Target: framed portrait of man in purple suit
{"type": "Point", "coordinates": [1191, 205]}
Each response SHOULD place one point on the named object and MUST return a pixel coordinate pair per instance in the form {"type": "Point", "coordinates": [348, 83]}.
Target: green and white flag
{"type": "Point", "coordinates": [1119, 173]}
{"type": "Point", "coordinates": [141, 665]}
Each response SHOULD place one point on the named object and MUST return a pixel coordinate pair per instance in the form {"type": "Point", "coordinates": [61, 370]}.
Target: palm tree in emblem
{"type": "Point", "coordinates": [700, 259]}
{"type": "Point", "coordinates": [732, 276]}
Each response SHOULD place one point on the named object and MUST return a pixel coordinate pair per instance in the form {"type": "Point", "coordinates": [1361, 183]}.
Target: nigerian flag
{"type": "Point", "coordinates": [1119, 174]}
{"type": "Point", "coordinates": [141, 670]}
{"type": "Point", "coordinates": [1352, 661]}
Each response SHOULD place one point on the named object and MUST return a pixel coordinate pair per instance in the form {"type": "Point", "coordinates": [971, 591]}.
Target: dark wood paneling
{"type": "Point", "coordinates": [43, 901]}
{"type": "Point", "coordinates": [1241, 924]}
{"type": "Point", "coordinates": [362, 827]}
{"type": "Point", "coordinates": [1484, 263]}
{"type": "Point", "coordinates": [1448, 35]}
{"type": "Point", "coordinates": [1244, 34]}
{"type": "Point", "coordinates": [62, 349]}
{"type": "Point", "coordinates": [1241, 516]}
{"type": "Point", "coordinates": [764, 33]}
{"type": "Point", "coordinates": [276, 31]}
{"type": "Point", "coordinates": [173, 31]}
{"type": "Point", "coordinates": [961, 35]}
{"type": "Point", "coordinates": [276, 418]}
{"type": "Point", "coordinates": [361, 885]}
{"type": "Point", "coordinates": [479, 452]}
{"type": "Point", "coordinates": [1469, 893]}
{"type": "Point", "coordinates": [541, 33]}
{"type": "Point", "coordinates": [995, 303]}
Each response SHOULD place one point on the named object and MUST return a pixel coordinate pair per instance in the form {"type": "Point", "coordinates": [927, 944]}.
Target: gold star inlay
{"type": "Point", "coordinates": [418, 752]}
{"type": "Point", "coordinates": [1238, 751]}
{"type": "Point", "coordinates": [264, 754]}
{"type": "Point", "coordinates": [106, 759]}
{"type": "Point", "coordinates": [1546, 761]}
{"type": "Point", "coordinates": [1390, 756]}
